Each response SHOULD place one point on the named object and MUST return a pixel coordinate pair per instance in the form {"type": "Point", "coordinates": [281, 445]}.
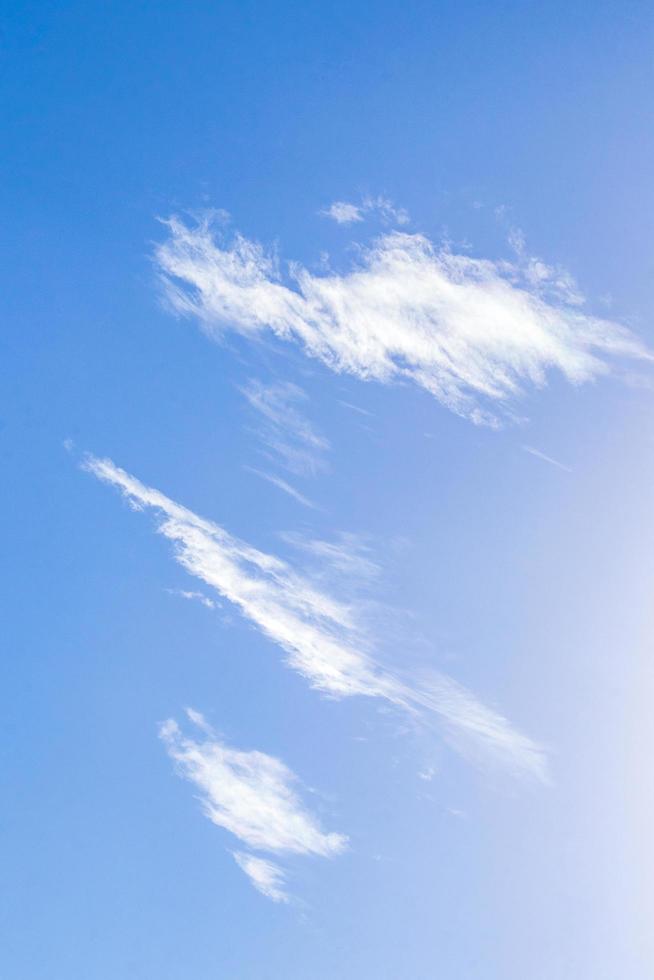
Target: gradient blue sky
{"type": "Point", "coordinates": [496, 789]}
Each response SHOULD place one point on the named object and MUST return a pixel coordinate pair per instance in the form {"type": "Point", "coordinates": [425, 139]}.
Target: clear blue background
{"type": "Point", "coordinates": [529, 584]}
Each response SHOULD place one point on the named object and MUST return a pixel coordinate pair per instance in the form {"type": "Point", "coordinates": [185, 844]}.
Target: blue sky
{"type": "Point", "coordinates": [327, 439]}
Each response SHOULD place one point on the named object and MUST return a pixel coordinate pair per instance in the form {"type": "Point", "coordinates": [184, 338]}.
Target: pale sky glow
{"type": "Point", "coordinates": [328, 441]}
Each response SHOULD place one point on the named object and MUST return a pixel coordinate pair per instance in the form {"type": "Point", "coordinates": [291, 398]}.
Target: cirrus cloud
{"type": "Point", "coordinates": [320, 635]}
{"type": "Point", "coordinates": [252, 795]}
{"type": "Point", "coordinates": [475, 333]}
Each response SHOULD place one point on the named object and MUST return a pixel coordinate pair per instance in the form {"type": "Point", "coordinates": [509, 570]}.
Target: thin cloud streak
{"type": "Point", "coordinates": [474, 333]}
{"type": "Point", "coordinates": [478, 732]}
{"type": "Point", "coordinates": [282, 485]}
{"type": "Point", "coordinates": [319, 634]}
{"type": "Point", "coordinates": [546, 459]}
{"type": "Point", "coordinates": [356, 408]}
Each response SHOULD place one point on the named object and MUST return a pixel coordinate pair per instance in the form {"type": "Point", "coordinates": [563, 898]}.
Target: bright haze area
{"type": "Point", "coordinates": [327, 423]}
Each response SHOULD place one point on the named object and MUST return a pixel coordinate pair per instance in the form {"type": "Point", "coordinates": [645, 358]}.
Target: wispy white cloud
{"type": "Point", "coordinates": [547, 459]}
{"type": "Point", "coordinates": [343, 213]}
{"type": "Point", "coordinates": [473, 332]}
{"type": "Point", "coordinates": [284, 486]}
{"type": "Point", "coordinates": [252, 795]}
{"type": "Point", "coordinates": [387, 211]}
{"type": "Point", "coordinates": [544, 278]}
{"type": "Point", "coordinates": [193, 597]}
{"type": "Point", "coordinates": [346, 213]}
{"type": "Point", "coordinates": [348, 555]}
{"type": "Point", "coordinates": [288, 435]}
{"type": "Point", "coordinates": [319, 634]}
{"type": "Point", "coordinates": [267, 878]}
{"type": "Point", "coordinates": [478, 732]}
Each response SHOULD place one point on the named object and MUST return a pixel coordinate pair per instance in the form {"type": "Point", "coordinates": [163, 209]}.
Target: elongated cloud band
{"type": "Point", "coordinates": [317, 632]}
{"type": "Point", "coordinates": [253, 796]}
{"type": "Point", "coordinates": [473, 332]}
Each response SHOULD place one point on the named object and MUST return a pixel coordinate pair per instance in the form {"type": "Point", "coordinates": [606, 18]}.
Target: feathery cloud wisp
{"type": "Point", "coordinates": [287, 434]}
{"type": "Point", "coordinates": [343, 213]}
{"type": "Point", "coordinates": [347, 555]}
{"type": "Point", "coordinates": [478, 732]}
{"type": "Point", "coordinates": [267, 878]}
{"type": "Point", "coordinates": [473, 332]}
{"type": "Point", "coordinates": [319, 634]}
{"type": "Point", "coordinates": [193, 596]}
{"type": "Point", "coordinates": [252, 795]}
